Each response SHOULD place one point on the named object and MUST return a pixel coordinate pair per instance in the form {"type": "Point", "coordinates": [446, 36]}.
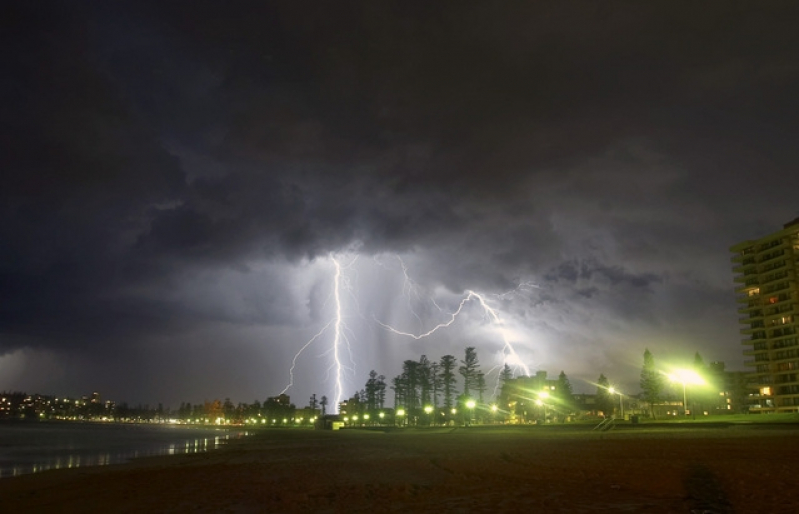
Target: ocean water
{"type": "Point", "coordinates": [35, 447]}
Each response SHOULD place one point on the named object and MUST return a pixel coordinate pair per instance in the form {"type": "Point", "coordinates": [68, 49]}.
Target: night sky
{"type": "Point", "coordinates": [179, 176]}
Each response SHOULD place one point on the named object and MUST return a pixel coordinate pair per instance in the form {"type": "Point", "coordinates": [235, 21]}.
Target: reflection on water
{"type": "Point", "coordinates": [35, 448]}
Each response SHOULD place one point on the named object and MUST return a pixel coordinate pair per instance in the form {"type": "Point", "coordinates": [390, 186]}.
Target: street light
{"type": "Point", "coordinates": [612, 390]}
{"type": "Point", "coordinates": [427, 410]}
{"type": "Point", "coordinates": [686, 376]}
{"type": "Point", "coordinates": [470, 405]}
{"type": "Point", "coordinates": [400, 413]}
{"type": "Point", "coordinates": [543, 395]}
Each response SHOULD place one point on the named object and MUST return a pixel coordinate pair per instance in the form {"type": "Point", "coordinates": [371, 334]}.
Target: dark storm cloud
{"type": "Point", "coordinates": [606, 150]}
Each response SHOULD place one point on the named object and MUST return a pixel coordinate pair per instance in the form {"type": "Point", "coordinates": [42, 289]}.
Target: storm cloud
{"type": "Point", "coordinates": [177, 175]}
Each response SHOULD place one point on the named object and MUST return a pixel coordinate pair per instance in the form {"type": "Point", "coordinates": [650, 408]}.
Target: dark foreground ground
{"type": "Point", "coordinates": [713, 469]}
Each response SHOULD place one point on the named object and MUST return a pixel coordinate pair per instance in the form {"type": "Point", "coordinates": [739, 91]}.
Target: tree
{"type": "Point", "coordinates": [651, 382]}
{"type": "Point", "coordinates": [323, 404]}
{"type": "Point", "coordinates": [699, 363]}
{"type": "Point", "coordinates": [604, 400]}
{"type": "Point", "coordinates": [468, 369]}
{"type": "Point", "coordinates": [701, 396]}
{"type": "Point", "coordinates": [371, 392]}
{"type": "Point", "coordinates": [448, 380]}
{"type": "Point", "coordinates": [425, 381]}
{"type": "Point", "coordinates": [506, 374]}
{"type": "Point", "coordinates": [381, 391]}
{"type": "Point", "coordinates": [480, 386]}
{"type": "Point", "coordinates": [564, 394]}
{"type": "Point", "coordinates": [435, 369]}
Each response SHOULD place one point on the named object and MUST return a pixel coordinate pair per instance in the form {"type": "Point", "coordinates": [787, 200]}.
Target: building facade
{"type": "Point", "coordinates": [768, 301]}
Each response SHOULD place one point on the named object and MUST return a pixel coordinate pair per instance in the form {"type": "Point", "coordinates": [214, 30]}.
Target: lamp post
{"type": "Point", "coordinates": [427, 410]}
{"type": "Point", "coordinates": [470, 405]}
{"type": "Point", "coordinates": [541, 402]}
{"type": "Point", "coordinates": [612, 390]}
{"type": "Point", "coordinates": [400, 414]}
{"type": "Point", "coordinates": [686, 376]}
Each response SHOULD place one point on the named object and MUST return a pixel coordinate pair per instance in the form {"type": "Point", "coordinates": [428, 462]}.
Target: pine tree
{"type": "Point", "coordinates": [480, 386]}
{"type": "Point", "coordinates": [564, 393]}
{"type": "Point", "coordinates": [425, 381]}
{"type": "Point", "coordinates": [447, 375]}
{"type": "Point", "coordinates": [604, 402]}
{"type": "Point", "coordinates": [468, 369]}
{"type": "Point", "coordinates": [435, 382]}
{"type": "Point", "coordinates": [651, 382]}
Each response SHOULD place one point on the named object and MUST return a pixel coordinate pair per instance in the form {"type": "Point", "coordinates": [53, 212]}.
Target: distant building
{"type": "Point", "coordinates": [530, 399]}
{"type": "Point", "coordinates": [768, 302]}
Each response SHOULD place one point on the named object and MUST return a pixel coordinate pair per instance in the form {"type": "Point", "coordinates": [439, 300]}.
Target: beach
{"type": "Point", "coordinates": [720, 468]}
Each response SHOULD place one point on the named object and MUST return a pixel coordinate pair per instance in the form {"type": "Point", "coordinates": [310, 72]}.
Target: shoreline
{"type": "Point", "coordinates": [36, 448]}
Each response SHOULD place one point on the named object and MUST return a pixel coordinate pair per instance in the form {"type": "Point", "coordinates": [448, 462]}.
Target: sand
{"type": "Point", "coordinates": [715, 469]}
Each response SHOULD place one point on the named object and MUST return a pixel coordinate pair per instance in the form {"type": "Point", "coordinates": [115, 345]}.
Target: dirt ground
{"type": "Point", "coordinates": [737, 468]}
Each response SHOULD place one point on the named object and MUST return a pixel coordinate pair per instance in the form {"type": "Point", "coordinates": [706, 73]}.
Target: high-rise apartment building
{"type": "Point", "coordinates": [768, 300]}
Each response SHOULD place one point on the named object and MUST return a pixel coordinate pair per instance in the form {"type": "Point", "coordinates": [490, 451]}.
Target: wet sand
{"type": "Point", "coordinates": [737, 468]}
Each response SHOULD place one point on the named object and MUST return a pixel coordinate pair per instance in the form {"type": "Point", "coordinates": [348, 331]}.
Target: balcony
{"type": "Point", "coordinates": [774, 276]}
{"type": "Point", "coordinates": [772, 255]}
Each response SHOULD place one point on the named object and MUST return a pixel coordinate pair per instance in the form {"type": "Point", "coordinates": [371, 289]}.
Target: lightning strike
{"type": "Point", "coordinates": [337, 331]}
{"type": "Point", "coordinates": [297, 355]}
{"type": "Point", "coordinates": [341, 339]}
{"type": "Point", "coordinates": [339, 335]}
{"type": "Point", "coordinates": [508, 349]}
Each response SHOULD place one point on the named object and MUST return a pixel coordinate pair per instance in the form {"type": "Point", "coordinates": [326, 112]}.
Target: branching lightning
{"type": "Point", "coordinates": [296, 356]}
{"type": "Point", "coordinates": [337, 331]}
{"type": "Point", "coordinates": [341, 333]}
{"type": "Point", "coordinates": [339, 336]}
{"type": "Point", "coordinates": [470, 295]}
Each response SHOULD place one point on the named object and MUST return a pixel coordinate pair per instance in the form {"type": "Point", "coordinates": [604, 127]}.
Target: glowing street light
{"type": "Point", "coordinates": [686, 376]}
{"type": "Point", "coordinates": [400, 413]}
{"type": "Point", "coordinates": [470, 405]}
{"type": "Point", "coordinates": [612, 390]}
{"type": "Point", "coordinates": [542, 396]}
{"type": "Point", "coordinates": [427, 410]}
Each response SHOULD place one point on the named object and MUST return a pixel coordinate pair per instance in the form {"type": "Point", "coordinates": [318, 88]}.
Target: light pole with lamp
{"type": "Point", "coordinates": [686, 376]}
{"type": "Point", "coordinates": [612, 390]}
{"type": "Point", "coordinates": [470, 405]}
{"type": "Point", "coordinates": [541, 402]}
{"type": "Point", "coordinates": [427, 410]}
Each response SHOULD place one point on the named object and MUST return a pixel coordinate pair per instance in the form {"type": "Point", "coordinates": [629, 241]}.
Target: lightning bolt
{"type": "Point", "coordinates": [340, 338]}
{"type": "Point", "coordinates": [508, 348]}
{"type": "Point", "coordinates": [341, 333]}
{"type": "Point", "coordinates": [297, 355]}
{"type": "Point", "coordinates": [337, 331]}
